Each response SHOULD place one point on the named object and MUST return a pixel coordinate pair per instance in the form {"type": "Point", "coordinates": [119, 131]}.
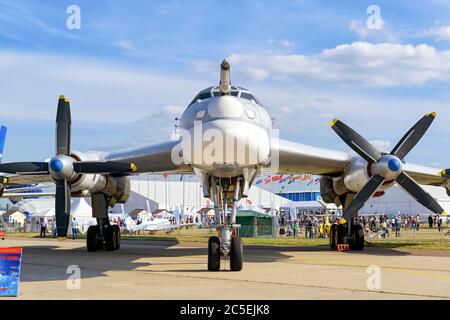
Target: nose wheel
{"type": "Point", "coordinates": [235, 253]}
{"type": "Point", "coordinates": [214, 254]}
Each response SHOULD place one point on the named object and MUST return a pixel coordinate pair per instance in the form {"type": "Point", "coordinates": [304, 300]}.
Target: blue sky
{"type": "Point", "coordinates": [133, 66]}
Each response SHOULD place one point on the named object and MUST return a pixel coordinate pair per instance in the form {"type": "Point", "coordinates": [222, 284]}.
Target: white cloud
{"type": "Point", "coordinates": [441, 33]}
{"type": "Point", "coordinates": [381, 145]}
{"type": "Point", "coordinates": [281, 42]}
{"type": "Point", "coordinates": [359, 28]}
{"type": "Point", "coordinates": [99, 90]}
{"type": "Point", "coordinates": [364, 63]}
{"type": "Point", "coordinates": [254, 73]}
{"type": "Point", "coordinates": [126, 44]}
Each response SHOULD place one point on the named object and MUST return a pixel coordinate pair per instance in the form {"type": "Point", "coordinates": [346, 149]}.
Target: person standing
{"type": "Point", "coordinates": [430, 221]}
{"type": "Point", "coordinates": [439, 223]}
{"type": "Point", "coordinates": [74, 229]}
{"type": "Point", "coordinates": [295, 229]}
{"type": "Point", "coordinates": [43, 228]}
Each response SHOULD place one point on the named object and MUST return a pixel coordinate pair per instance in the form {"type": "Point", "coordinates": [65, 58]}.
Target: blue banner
{"type": "Point", "coordinates": [10, 259]}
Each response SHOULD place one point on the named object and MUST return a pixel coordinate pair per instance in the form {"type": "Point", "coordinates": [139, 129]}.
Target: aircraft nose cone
{"type": "Point", "coordinates": [225, 107]}
{"type": "Point", "coordinates": [56, 165]}
{"type": "Point", "coordinates": [394, 165]}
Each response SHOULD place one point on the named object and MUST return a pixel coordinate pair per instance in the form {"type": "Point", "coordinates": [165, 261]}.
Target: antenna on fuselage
{"type": "Point", "coordinates": [225, 82]}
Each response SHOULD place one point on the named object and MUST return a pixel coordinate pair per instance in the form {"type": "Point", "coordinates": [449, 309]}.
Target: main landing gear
{"type": "Point", "coordinates": [349, 233]}
{"type": "Point", "coordinates": [228, 242]}
{"type": "Point", "coordinates": [103, 236]}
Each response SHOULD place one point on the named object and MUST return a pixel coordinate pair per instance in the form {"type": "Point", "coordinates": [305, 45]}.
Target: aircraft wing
{"type": "Point", "coordinates": [28, 195]}
{"type": "Point", "coordinates": [22, 179]}
{"type": "Point", "coordinates": [152, 158]}
{"type": "Point", "coordinates": [299, 158]}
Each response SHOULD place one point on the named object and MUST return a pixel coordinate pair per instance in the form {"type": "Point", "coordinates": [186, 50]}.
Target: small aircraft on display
{"type": "Point", "coordinates": [152, 224]}
{"type": "Point", "coordinates": [226, 138]}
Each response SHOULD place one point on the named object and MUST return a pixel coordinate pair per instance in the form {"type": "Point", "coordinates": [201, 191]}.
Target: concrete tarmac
{"type": "Point", "coordinates": [170, 270]}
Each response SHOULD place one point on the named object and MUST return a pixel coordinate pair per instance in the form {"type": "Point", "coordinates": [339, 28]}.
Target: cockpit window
{"type": "Point", "coordinates": [235, 92]}
{"type": "Point", "coordinates": [248, 96]}
{"type": "Point", "coordinates": [201, 96]}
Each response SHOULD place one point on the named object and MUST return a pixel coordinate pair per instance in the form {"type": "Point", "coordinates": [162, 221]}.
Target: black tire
{"type": "Point", "coordinates": [357, 243]}
{"type": "Point", "coordinates": [116, 231]}
{"type": "Point", "coordinates": [109, 239]}
{"type": "Point", "coordinates": [236, 254]}
{"type": "Point", "coordinates": [91, 239]}
{"type": "Point", "coordinates": [214, 254]}
{"type": "Point", "coordinates": [340, 232]}
{"type": "Point", "coordinates": [333, 237]}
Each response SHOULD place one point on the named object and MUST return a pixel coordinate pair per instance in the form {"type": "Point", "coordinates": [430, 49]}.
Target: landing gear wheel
{"type": "Point", "coordinates": [214, 254]}
{"type": "Point", "coordinates": [357, 242]}
{"type": "Point", "coordinates": [236, 254]}
{"type": "Point", "coordinates": [109, 239]}
{"type": "Point", "coordinates": [340, 233]}
{"type": "Point", "coordinates": [333, 237]}
{"type": "Point", "coordinates": [92, 242]}
{"type": "Point", "coordinates": [116, 236]}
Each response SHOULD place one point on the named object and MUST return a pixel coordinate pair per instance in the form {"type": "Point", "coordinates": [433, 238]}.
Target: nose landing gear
{"type": "Point", "coordinates": [228, 242]}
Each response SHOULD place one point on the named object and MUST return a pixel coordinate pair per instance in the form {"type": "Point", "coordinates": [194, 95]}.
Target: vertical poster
{"type": "Point", "coordinates": [10, 259]}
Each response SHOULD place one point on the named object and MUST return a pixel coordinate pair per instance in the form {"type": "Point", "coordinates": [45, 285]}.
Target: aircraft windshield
{"type": "Point", "coordinates": [235, 91]}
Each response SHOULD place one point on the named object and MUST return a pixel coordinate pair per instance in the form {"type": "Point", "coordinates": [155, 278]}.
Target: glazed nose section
{"type": "Point", "coordinates": [228, 107]}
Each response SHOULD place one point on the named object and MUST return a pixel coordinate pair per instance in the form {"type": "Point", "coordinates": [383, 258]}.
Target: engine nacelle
{"type": "Point", "coordinates": [87, 183]}
{"type": "Point", "coordinates": [117, 189]}
{"type": "Point", "coordinates": [355, 177]}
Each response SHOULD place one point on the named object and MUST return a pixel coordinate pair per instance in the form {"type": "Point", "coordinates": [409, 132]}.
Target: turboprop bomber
{"type": "Point", "coordinates": [226, 138]}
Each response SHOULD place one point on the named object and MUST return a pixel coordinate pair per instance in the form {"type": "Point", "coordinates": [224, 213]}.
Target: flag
{"type": "Point", "coordinates": [259, 181]}
{"type": "Point", "coordinates": [317, 181]}
{"type": "Point", "coordinates": [267, 180]}
{"type": "Point", "coordinates": [277, 178]}
{"type": "Point", "coordinates": [284, 179]}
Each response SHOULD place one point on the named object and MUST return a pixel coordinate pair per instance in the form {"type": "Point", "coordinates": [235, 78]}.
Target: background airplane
{"type": "Point", "coordinates": [226, 138]}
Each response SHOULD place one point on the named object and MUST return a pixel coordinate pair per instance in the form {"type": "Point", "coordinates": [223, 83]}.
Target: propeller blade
{"type": "Point", "coordinates": [413, 136]}
{"type": "Point", "coordinates": [355, 141]}
{"type": "Point", "coordinates": [62, 208]}
{"type": "Point", "coordinates": [25, 167]}
{"type": "Point", "coordinates": [63, 126]}
{"type": "Point", "coordinates": [416, 191]}
{"type": "Point", "coordinates": [104, 167]}
{"type": "Point", "coordinates": [363, 195]}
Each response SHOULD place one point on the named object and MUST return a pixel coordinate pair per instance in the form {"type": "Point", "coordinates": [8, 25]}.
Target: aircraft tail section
{"type": "Point", "coordinates": [2, 140]}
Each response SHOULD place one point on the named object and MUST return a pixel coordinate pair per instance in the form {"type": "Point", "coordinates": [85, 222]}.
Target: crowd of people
{"type": "Point", "coordinates": [309, 225]}
{"type": "Point", "coordinates": [313, 226]}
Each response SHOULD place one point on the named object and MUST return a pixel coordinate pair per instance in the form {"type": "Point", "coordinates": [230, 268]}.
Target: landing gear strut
{"type": "Point", "coordinates": [103, 236]}
{"type": "Point", "coordinates": [349, 233]}
{"type": "Point", "coordinates": [228, 242]}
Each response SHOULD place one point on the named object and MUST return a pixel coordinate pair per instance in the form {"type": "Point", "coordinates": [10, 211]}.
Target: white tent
{"type": "Point", "coordinates": [81, 210]}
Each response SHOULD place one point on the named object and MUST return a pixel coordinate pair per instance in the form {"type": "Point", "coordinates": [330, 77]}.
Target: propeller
{"type": "Point", "coordinates": [386, 167]}
{"type": "Point", "coordinates": [64, 169]}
